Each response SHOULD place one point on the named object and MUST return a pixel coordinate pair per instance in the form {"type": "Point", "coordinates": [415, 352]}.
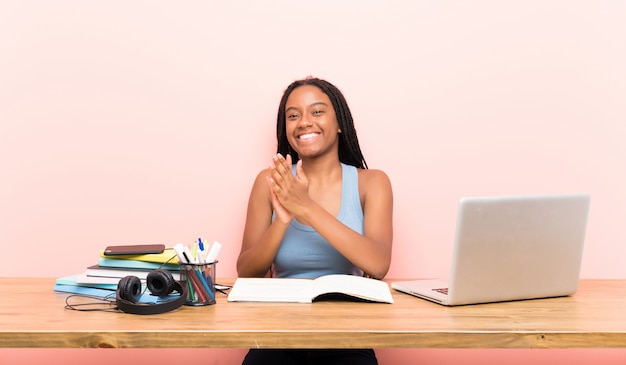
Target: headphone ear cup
{"type": "Point", "coordinates": [129, 288]}
{"type": "Point", "coordinates": [160, 282]}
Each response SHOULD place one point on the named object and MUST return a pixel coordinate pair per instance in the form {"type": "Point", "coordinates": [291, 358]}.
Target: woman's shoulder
{"type": "Point", "coordinates": [262, 174]}
{"type": "Point", "coordinates": [374, 184]}
{"type": "Point", "coordinates": [260, 181]}
{"type": "Point", "coordinates": [373, 178]}
{"type": "Point", "coordinates": [372, 174]}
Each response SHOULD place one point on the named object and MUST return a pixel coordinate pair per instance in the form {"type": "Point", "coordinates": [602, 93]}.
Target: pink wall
{"type": "Point", "coordinates": [137, 122]}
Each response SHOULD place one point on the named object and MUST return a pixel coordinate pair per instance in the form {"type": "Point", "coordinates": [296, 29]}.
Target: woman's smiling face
{"type": "Point", "coordinates": [311, 123]}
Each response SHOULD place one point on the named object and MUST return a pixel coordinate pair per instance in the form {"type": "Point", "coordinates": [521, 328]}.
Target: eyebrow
{"type": "Point", "coordinates": [314, 104]}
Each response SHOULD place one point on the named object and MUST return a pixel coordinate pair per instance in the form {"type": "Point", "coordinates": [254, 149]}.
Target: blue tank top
{"type": "Point", "coordinates": [303, 253]}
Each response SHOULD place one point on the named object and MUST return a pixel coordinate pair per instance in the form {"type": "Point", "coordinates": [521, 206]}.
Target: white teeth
{"type": "Point", "coordinates": [308, 135]}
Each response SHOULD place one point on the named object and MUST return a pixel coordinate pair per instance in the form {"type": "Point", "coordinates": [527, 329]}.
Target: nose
{"type": "Point", "coordinates": [305, 122]}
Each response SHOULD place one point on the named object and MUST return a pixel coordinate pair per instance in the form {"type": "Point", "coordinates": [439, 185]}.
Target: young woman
{"type": "Point", "coordinates": [317, 209]}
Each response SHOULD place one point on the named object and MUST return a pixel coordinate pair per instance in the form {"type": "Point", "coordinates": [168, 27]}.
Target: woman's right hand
{"type": "Point", "coordinates": [282, 213]}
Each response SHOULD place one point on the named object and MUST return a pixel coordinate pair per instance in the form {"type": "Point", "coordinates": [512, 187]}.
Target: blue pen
{"type": "Point", "coordinates": [205, 284]}
{"type": "Point", "coordinates": [200, 244]}
{"type": "Point", "coordinates": [211, 286]}
{"type": "Point", "coordinates": [202, 252]}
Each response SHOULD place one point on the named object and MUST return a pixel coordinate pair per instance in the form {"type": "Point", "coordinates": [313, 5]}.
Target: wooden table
{"type": "Point", "coordinates": [32, 315]}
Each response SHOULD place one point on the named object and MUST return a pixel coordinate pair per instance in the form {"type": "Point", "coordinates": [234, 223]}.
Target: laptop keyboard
{"type": "Point", "coordinates": [442, 290]}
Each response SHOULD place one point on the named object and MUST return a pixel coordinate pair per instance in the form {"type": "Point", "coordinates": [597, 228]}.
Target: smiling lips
{"type": "Point", "coordinates": [308, 136]}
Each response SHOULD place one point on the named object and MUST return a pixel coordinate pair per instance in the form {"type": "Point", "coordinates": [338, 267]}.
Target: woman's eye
{"type": "Point", "coordinates": [292, 116]}
{"type": "Point", "coordinates": [318, 112]}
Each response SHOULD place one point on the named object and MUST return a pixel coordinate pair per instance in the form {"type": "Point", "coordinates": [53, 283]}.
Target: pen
{"type": "Point", "coordinates": [213, 252]}
{"type": "Point", "coordinates": [192, 291]}
{"type": "Point", "coordinates": [206, 285]}
{"type": "Point", "coordinates": [200, 244]}
{"type": "Point", "coordinates": [211, 285]}
{"type": "Point", "coordinates": [193, 278]}
{"type": "Point", "coordinates": [188, 256]}
{"type": "Point", "coordinates": [203, 251]}
{"type": "Point", "coordinates": [201, 284]}
{"type": "Point", "coordinates": [180, 253]}
{"type": "Point", "coordinates": [194, 252]}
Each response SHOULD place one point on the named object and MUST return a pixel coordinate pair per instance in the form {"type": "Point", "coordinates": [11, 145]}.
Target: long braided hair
{"type": "Point", "coordinates": [349, 149]}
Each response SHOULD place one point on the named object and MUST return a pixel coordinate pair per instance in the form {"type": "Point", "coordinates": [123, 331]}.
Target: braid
{"type": "Point", "coordinates": [349, 149]}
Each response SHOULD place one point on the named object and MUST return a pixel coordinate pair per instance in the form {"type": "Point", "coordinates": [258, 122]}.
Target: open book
{"type": "Point", "coordinates": [338, 286]}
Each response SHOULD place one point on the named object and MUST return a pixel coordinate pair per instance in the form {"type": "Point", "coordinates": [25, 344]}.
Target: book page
{"type": "Point", "coordinates": [271, 290]}
{"type": "Point", "coordinates": [358, 286]}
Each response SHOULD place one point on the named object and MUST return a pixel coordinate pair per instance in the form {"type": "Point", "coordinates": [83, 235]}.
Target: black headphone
{"type": "Point", "coordinates": [160, 282]}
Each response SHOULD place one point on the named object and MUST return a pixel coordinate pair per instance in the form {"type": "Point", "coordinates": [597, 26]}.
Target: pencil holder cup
{"type": "Point", "coordinates": [200, 282]}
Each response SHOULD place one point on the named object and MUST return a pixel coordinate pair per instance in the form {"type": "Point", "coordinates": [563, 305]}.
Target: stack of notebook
{"type": "Point", "coordinates": [101, 279]}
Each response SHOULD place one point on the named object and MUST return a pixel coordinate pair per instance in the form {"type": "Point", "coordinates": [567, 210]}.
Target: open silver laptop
{"type": "Point", "coordinates": [511, 248]}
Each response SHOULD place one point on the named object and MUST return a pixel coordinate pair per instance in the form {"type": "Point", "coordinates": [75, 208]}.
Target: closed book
{"type": "Point", "coordinates": [135, 264]}
{"type": "Point", "coordinates": [76, 289]}
{"type": "Point", "coordinates": [109, 272]}
{"type": "Point", "coordinates": [71, 280]}
{"type": "Point", "coordinates": [168, 256]}
{"type": "Point", "coordinates": [86, 280]}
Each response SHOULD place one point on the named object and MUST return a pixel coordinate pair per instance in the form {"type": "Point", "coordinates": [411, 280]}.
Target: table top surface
{"type": "Point", "coordinates": [33, 315]}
